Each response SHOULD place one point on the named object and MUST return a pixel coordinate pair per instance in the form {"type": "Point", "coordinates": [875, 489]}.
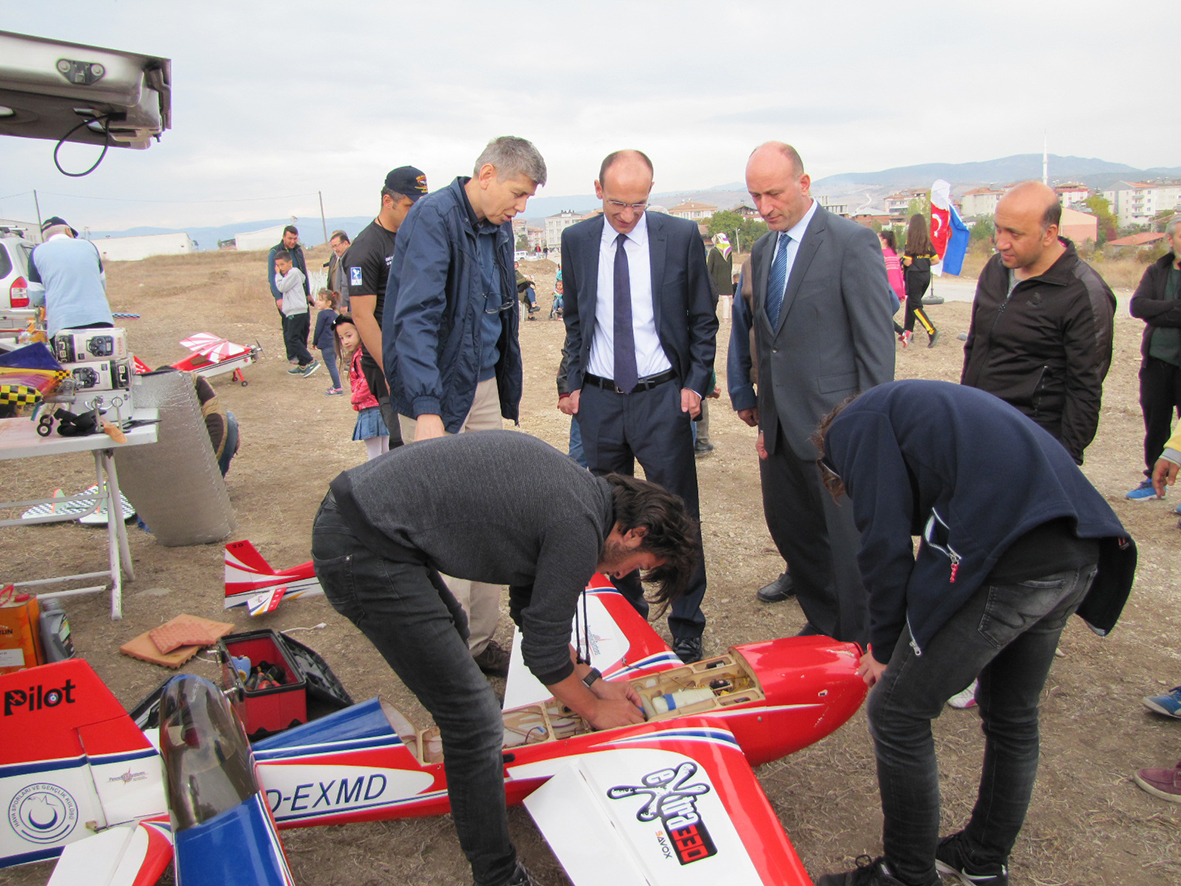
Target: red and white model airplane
{"type": "Point", "coordinates": [212, 355]}
{"type": "Point", "coordinates": [671, 800]}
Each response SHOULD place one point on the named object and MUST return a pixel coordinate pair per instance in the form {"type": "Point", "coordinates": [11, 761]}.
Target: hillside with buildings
{"type": "Point", "coordinates": [1137, 199]}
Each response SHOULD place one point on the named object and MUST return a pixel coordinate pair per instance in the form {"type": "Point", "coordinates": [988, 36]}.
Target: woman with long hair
{"type": "Point", "coordinates": [916, 263]}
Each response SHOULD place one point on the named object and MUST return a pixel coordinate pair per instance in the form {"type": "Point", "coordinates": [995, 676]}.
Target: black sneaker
{"type": "Point", "coordinates": [869, 872]}
{"type": "Point", "coordinates": [522, 877]}
{"type": "Point", "coordinates": [493, 660]}
{"type": "Point", "coordinates": [689, 649]}
{"type": "Point", "coordinates": [951, 859]}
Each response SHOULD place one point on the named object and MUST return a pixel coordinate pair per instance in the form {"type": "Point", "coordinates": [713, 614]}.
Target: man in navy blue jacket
{"type": "Point", "coordinates": [451, 355]}
{"type": "Point", "coordinates": [999, 569]}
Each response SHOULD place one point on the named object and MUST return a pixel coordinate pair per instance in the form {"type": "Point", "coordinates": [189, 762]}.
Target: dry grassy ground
{"type": "Point", "coordinates": [1089, 824]}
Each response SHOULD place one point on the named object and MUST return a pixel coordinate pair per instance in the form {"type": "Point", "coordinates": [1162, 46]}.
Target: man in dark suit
{"type": "Point", "coordinates": [822, 332]}
{"type": "Point", "coordinates": [640, 328]}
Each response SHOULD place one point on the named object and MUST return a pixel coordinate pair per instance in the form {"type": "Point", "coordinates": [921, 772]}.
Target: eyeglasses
{"type": "Point", "coordinates": [620, 205]}
{"type": "Point", "coordinates": [505, 305]}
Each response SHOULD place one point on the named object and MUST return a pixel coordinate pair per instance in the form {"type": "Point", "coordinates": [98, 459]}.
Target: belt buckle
{"type": "Point", "coordinates": [616, 387]}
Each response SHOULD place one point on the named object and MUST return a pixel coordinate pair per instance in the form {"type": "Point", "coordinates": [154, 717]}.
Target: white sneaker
{"type": "Point", "coordinates": [965, 699]}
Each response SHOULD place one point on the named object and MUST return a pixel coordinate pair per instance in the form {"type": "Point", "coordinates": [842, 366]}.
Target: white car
{"type": "Point", "coordinates": [17, 303]}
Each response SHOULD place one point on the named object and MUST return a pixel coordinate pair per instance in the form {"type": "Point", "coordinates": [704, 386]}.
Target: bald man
{"type": "Point", "coordinates": [822, 333]}
{"type": "Point", "coordinates": [1041, 328]}
{"type": "Point", "coordinates": [640, 328]}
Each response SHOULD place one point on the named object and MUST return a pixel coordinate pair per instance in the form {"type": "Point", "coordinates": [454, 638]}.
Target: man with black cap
{"type": "Point", "coordinates": [71, 270]}
{"type": "Point", "coordinates": [365, 270]}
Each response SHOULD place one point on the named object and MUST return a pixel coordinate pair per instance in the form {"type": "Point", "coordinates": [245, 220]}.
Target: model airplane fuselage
{"type": "Point", "coordinates": [678, 789]}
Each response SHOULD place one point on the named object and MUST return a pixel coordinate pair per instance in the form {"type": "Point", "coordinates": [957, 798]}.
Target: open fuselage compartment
{"type": "Point", "coordinates": [698, 688]}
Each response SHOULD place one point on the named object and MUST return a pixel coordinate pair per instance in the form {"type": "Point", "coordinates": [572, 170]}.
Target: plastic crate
{"type": "Point", "coordinates": [264, 711]}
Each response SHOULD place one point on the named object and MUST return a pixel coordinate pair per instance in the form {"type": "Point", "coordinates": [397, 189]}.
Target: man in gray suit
{"type": "Point", "coordinates": [822, 331]}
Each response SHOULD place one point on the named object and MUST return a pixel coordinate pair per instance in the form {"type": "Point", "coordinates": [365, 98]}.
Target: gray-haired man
{"type": "Point", "coordinates": [453, 360]}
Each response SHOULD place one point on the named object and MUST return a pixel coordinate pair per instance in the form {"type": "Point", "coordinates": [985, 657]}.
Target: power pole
{"type": "Point", "coordinates": [323, 221]}
{"type": "Point", "coordinates": [38, 205]}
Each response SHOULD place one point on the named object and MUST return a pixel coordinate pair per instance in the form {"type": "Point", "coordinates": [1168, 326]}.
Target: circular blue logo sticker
{"type": "Point", "coordinates": [43, 813]}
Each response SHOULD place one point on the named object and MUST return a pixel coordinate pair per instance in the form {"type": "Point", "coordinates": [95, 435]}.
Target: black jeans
{"type": "Point", "coordinates": [1160, 399]}
{"type": "Point", "coordinates": [409, 615]}
{"type": "Point", "coordinates": [1006, 635]}
{"type": "Point", "coordinates": [295, 336]}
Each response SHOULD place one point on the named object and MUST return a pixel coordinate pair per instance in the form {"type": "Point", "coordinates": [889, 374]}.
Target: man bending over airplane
{"type": "Point", "coordinates": [536, 522]}
{"type": "Point", "coordinates": [998, 571]}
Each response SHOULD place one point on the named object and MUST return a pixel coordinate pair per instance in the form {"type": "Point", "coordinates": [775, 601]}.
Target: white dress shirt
{"type": "Point", "coordinates": [650, 357]}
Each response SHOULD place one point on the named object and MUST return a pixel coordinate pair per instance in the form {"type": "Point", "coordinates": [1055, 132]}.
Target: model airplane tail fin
{"type": "Point", "coordinates": [252, 582]}
{"type": "Point", "coordinates": [72, 760]}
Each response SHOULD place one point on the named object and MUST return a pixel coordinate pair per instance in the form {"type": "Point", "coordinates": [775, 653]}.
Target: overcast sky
{"type": "Point", "coordinates": [273, 102]}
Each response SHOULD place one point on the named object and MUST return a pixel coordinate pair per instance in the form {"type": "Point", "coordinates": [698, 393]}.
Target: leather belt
{"type": "Point", "coordinates": [644, 384]}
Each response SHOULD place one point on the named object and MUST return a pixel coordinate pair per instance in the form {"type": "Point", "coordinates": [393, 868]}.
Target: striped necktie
{"type": "Point", "coordinates": [777, 280]}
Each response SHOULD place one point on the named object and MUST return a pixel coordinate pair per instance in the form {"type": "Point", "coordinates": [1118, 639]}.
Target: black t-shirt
{"type": "Point", "coordinates": [366, 266]}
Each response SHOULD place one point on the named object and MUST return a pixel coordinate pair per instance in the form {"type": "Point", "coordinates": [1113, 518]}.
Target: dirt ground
{"type": "Point", "coordinates": [1088, 824]}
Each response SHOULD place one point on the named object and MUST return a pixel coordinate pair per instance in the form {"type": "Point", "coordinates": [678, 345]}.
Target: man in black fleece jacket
{"type": "Point", "coordinates": [504, 508]}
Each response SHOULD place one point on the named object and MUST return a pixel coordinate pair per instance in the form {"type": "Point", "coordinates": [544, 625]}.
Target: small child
{"type": "Point", "coordinates": [555, 311]}
{"type": "Point", "coordinates": [369, 427]}
{"type": "Point", "coordinates": [294, 306]}
{"type": "Point", "coordinates": [323, 339]}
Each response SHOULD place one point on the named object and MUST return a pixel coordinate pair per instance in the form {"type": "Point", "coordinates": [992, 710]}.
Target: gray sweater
{"type": "Point", "coordinates": [494, 506]}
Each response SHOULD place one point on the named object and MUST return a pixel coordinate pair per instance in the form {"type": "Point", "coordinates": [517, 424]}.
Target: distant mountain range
{"type": "Point", "coordinates": [854, 188]}
{"type": "Point", "coordinates": [1094, 173]}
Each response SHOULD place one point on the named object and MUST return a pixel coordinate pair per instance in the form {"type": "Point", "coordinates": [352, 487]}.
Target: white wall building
{"type": "Point", "coordinates": [555, 224]}
{"type": "Point", "coordinates": [693, 210]}
{"type": "Point", "coordinates": [264, 239]}
{"type": "Point", "coordinates": [1138, 203]}
{"type": "Point", "coordinates": [981, 202]}
{"type": "Point", "coordinates": [135, 248]}
{"type": "Point", "coordinates": [1073, 195]}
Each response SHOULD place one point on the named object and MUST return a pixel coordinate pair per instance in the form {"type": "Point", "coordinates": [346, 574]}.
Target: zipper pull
{"type": "Point", "coordinates": [955, 565]}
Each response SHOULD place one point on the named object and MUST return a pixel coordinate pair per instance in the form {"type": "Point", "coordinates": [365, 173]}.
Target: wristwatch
{"type": "Point", "coordinates": [591, 676]}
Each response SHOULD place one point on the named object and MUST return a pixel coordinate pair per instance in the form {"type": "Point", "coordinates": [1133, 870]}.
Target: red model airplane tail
{"type": "Point", "coordinates": [252, 582]}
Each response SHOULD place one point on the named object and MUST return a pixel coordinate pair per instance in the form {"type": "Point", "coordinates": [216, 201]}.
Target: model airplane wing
{"type": "Point", "coordinates": [133, 854]}
{"type": "Point", "coordinates": [251, 581]}
{"type": "Point", "coordinates": [212, 346]}
{"type": "Point", "coordinates": [612, 636]}
{"type": "Point", "coordinates": [71, 763]}
{"type": "Point", "coordinates": [675, 804]}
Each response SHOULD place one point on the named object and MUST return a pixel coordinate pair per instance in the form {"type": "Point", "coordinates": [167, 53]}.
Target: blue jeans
{"type": "Point", "coordinates": [1006, 635]}
{"type": "Point", "coordinates": [231, 448]}
{"type": "Point", "coordinates": [576, 452]}
{"type": "Point", "coordinates": [328, 358]}
{"type": "Point", "coordinates": [414, 622]}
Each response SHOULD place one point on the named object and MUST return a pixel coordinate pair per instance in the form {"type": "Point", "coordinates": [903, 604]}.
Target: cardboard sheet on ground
{"type": "Point", "coordinates": [144, 647]}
